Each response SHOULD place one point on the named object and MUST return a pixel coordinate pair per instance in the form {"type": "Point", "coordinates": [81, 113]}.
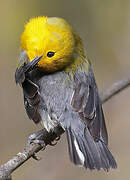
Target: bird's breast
{"type": "Point", "coordinates": [55, 96]}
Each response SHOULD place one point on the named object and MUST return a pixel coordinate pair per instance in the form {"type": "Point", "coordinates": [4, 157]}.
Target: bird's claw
{"type": "Point", "coordinates": [33, 138]}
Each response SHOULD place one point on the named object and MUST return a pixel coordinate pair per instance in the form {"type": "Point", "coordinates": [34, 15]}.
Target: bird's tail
{"type": "Point", "coordinates": [84, 151]}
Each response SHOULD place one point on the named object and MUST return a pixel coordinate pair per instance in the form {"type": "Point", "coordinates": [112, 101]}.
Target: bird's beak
{"type": "Point", "coordinates": [24, 68]}
{"type": "Point", "coordinates": [29, 66]}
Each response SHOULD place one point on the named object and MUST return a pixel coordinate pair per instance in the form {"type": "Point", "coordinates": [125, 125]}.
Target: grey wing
{"type": "Point", "coordinates": [31, 100]}
{"type": "Point", "coordinates": [87, 103]}
{"type": "Point", "coordinates": [86, 130]}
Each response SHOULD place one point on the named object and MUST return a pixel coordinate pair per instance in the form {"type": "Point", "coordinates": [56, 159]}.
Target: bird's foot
{"type": "Point", "coordinates": [33, 138]}
{"type": "Point", "coordinates": [37, 139]}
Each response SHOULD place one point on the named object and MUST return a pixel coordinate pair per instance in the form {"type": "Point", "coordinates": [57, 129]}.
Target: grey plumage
{"type": "Point", "coordinates": [54, 99]}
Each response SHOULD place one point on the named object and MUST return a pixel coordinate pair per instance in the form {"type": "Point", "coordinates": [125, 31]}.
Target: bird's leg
{"type": "Point", "coordinates": [37, 138]}
{"type": "Point", "coordinates": [33, 138]}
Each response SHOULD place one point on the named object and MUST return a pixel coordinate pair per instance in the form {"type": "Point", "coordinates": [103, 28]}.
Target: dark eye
{"type": "Point", "coordinates": [50, 54]}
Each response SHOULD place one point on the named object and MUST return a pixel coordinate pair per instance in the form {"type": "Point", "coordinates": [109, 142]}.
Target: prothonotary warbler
{"type": "Point", "coordinates": [60, 90]}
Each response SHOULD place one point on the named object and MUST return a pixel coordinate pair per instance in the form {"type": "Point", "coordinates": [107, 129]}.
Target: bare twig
{"type": "Point", "coordinates": [7, 169]}
{"type": "Point", "coordinates": [114, 89]}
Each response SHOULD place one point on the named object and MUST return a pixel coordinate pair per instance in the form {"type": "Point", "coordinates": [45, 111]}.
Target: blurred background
{"type": "Point", "coordinates": [105, 29]}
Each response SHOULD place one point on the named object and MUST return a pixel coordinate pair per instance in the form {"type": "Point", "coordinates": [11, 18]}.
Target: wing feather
{"type": "Point", "coordinates": [31, 100]}
{"type": "Point", "coordinates": [87, 103]}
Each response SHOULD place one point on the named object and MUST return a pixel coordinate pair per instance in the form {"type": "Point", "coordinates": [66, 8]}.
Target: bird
{"type": "Point", "coordinates": [59, 89]}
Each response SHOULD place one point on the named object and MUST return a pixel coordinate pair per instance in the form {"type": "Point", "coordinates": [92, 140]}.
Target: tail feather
{"type": "Point", "coordinates": [85, 151]}
{"type": "Point", "coordinates": [74, 156]}
{"type": "Point", "coordinates": [111, 159]}
{"type": "Point", "coordinates": [104, 157]}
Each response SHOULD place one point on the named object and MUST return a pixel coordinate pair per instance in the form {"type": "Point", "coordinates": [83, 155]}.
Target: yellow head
{"type": "Point", "coordinates": [51, 37]}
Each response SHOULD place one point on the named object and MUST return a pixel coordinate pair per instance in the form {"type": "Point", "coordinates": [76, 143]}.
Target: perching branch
{"type": "Point", "coordinates": [7, 168]}
{"type": "Point", "coordinates": [114, 89]}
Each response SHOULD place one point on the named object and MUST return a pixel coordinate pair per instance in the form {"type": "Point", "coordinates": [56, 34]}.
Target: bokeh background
{"type": "Point", "coordinates": [105, 29]}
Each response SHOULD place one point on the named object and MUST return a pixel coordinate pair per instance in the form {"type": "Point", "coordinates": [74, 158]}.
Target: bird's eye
{"type": "Point", "coordinates": [50, 54]}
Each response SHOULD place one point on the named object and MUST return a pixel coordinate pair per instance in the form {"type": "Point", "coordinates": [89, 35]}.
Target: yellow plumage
{"type": "Point", "coordinates": [43, 35]}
